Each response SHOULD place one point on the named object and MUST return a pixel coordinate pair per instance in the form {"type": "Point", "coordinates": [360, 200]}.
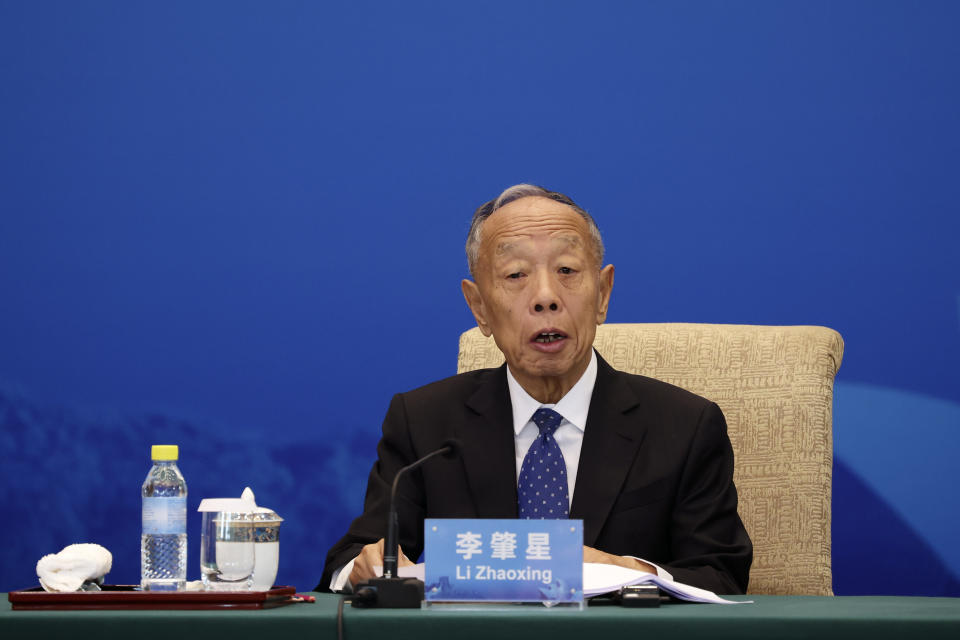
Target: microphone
{"type": "Point", "coordinates": [391, 592]}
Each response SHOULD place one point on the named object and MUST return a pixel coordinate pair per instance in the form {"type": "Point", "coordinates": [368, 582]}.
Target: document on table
{"type": "Point", "coordinates": [603, 578]}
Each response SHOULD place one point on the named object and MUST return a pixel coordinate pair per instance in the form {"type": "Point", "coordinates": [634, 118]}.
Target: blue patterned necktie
{"type": "Point", "coordinates": [542, 488]}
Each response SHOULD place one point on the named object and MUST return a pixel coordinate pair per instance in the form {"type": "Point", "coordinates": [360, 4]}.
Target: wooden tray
{"type": "Point", "coordinates": [123, 596]}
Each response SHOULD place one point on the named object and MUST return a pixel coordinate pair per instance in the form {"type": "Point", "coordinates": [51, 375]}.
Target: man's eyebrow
{"type": "Point", "coordinates": [508, 246]}
{"type": "Point", "coordinates": [572, 240]}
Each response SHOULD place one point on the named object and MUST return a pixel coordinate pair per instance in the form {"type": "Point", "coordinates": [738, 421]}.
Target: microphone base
{"type": "Point", "coordinates": [390, 593]}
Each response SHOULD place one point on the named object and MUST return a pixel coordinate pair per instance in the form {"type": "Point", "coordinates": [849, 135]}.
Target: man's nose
{"type": "Point", "coordinates": [545, 296]}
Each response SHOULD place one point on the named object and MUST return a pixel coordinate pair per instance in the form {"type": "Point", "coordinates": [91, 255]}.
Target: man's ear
{"type": "Point", "coordinates": [471, 293]}
{"type": "Point", "coordinates": [603, 295]}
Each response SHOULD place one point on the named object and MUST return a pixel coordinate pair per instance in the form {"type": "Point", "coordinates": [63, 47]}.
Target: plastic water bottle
{"type": "Point", "coordinates": [163, 543]}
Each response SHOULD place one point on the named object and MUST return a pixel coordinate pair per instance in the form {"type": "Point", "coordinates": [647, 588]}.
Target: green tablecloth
{"type": "Point", "coordinates": [768, 617]}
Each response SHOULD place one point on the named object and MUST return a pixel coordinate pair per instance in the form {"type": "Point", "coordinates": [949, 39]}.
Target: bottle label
{"type": "Point", "coordinates": [164, 515]}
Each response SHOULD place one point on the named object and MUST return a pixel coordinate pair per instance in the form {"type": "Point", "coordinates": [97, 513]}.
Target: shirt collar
{"type": "Point", "coordinates": [574, 406]}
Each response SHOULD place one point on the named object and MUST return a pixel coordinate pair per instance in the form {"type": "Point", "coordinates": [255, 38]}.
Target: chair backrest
{"type": "Point", "coordinates": [775, 387]}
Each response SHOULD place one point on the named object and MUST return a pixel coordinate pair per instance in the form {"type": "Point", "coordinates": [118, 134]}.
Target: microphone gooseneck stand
{"type": "Point", "coordinates": [391, 591]}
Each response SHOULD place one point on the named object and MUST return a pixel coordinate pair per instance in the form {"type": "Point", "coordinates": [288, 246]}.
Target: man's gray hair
{"type": "Point", "coordinates": [516, 192]}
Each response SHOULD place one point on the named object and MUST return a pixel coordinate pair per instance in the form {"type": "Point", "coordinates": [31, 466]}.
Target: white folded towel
{"type": "Point", "coordinates": [67, 570]}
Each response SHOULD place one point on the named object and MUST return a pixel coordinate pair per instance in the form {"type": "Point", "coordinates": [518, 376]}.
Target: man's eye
{"type": "Point", "coordinates": [515, 276]}
{"type": "Point", "coordinates": [565, 270]}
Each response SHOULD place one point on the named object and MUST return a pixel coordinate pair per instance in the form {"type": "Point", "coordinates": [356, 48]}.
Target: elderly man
{"type": "Point", "coordinates": [647, 466]}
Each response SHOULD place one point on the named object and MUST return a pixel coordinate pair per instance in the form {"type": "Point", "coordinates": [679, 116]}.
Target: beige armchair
{"type": "Point", "coordinates": [775, 386]}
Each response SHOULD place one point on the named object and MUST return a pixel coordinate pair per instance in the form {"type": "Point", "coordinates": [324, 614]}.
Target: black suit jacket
{"type": "Point", "coordinates": [655, 478]}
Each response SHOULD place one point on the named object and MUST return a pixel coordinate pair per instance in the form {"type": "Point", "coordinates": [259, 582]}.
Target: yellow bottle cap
{"type": "Point", "coordinates": [165, 452]}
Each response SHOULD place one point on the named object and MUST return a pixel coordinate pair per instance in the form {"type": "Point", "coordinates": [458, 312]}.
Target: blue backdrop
{"type": "Point", "coordinates": [238, 226]}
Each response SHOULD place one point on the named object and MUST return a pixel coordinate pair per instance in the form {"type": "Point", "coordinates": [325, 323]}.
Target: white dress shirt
{"type": "Point", "coordinates": [574, 407]}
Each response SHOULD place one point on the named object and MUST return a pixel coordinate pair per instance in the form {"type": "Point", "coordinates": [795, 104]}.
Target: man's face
{"type": "Point", "coordinates": [540, 292]}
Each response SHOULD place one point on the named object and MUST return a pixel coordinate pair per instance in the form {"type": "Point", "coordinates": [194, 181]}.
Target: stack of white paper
{"type": "Point", "coordinates": [603, 578]}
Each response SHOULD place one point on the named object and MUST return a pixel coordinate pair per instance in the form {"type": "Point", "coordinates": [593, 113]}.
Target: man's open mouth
{"type": "Point", "coordinates": [548, 336]}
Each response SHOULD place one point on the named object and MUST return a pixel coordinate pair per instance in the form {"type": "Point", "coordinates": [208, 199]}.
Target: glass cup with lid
{"type": "Point", "coordinates": [266, 542]}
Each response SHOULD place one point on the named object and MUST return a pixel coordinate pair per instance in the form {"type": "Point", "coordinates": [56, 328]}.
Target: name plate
{"type": "Point", "coordinates": [503, 560]}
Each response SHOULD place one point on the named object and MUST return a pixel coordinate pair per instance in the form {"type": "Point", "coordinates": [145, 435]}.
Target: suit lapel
{"type": "Point", "coordinates": [610, 443]}
{"type": "Point", "coordinates": [488, 447]}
